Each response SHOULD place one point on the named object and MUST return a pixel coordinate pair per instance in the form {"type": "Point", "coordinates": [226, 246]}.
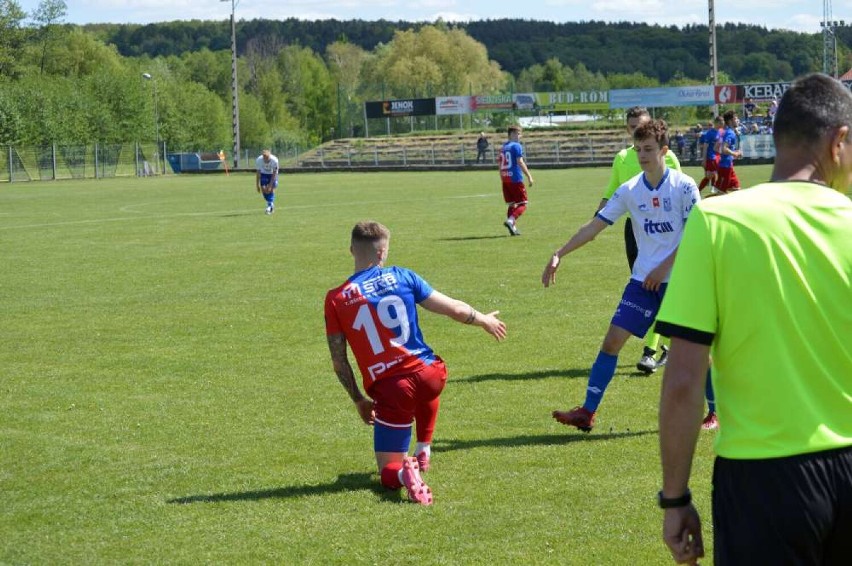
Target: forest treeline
{"type": "Point", "coordinates": [303, 82]}
{"type": "Point", "coordinates": [745, 52]}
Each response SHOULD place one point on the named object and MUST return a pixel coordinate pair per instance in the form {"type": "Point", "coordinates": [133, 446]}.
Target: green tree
{"type": "Point", "coordinates": [79, 54]}
{"type": "Point", "coordinates": [11, 36]}
{"type": "Point", "coordinates": [436, 61]}
{"type": "Point", "coordinates": [47, 15]}
{"type": "Point", "coordinates": [309, 90]}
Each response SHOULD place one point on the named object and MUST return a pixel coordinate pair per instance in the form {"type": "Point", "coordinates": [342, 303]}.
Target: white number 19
{"type": "Point", "coordinates": [392, 314]}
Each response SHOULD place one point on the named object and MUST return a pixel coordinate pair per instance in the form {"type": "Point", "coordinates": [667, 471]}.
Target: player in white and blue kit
{"type": "Point", "coordinates": [659, 201]}
{"type": "Point", "coordinates": [267, 178]}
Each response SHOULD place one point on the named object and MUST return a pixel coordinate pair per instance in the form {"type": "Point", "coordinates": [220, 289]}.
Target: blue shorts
{"type": "Point", "coordinates": [638, 308]}
{"type": "Point", "coordinates": [265, 179]}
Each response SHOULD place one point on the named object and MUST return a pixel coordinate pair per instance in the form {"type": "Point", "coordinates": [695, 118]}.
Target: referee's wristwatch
{"type": "Point", "coordinates": [670, 502]}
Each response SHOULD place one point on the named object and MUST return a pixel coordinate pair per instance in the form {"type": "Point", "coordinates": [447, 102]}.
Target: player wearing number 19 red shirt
{"type": "Point", "coordinates": [375, 312]}
{"type": "Point", "coordinates": [512, 171]}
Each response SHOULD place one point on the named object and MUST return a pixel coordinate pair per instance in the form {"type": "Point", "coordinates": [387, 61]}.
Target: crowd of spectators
{"type": "Point", "coordinates": [754, 121]}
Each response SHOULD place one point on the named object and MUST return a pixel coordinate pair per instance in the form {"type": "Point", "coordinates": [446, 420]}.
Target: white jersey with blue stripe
{"type": "Point", "coordinates": [267, 167]}
{"type": "Point", "coordinates": [659, 214]}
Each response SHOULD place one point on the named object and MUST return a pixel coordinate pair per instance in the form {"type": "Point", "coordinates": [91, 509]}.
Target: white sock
{"type": "Point", "coordinates": [423, 447]}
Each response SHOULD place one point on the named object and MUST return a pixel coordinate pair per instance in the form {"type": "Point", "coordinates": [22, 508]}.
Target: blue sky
{"type": "Point", "coordinates": [796, 15]}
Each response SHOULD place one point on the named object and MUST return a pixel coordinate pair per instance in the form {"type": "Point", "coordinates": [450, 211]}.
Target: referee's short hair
{"type": "Point", "coordinates": [813, 107]}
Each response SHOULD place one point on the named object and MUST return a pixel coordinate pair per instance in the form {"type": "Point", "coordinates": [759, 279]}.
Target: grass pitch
{"type": "Point", "coordinates": [166, 392]}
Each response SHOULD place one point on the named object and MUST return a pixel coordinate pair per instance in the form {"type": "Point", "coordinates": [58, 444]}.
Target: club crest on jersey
{"type": "Point", "coordinates": [351, 290]}
{"type": "Point", "coordinates": [656, 202]}
{"type": "Point", "coordinates": [667, 204]}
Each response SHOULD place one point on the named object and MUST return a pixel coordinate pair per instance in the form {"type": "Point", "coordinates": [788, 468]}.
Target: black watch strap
{"type": "Point", "coordinates": [668, 503]}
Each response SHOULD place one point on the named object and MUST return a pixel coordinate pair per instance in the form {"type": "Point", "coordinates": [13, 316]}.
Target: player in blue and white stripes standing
{"type": "Point", "coordinates": [267, 178]}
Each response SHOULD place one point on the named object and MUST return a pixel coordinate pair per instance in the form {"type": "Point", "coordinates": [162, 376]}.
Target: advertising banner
{"type": "Point", "coordinates": [757, 146]}
{"type": "Point", "coordinates": [662, 96]}
{"type": "Point", "coordinates": [757, 92]}
{"type": "Point", "coordinates": [397, 108]}
{"type": "Point", "coordinates": [446, 105]}
{"type": "Point", "coordinates": [499, 102]}
{"type": "Point", "coordinates": [574, 100]}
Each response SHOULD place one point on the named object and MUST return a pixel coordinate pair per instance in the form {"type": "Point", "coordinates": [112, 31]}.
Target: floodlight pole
{"type": "Point", "coordinates": [829, 40]}
{"type": "Point", "coordinates": [714, 68]}
{"type": "Point", "coordinates": [235, 103]}
{"type": "Point", "coordinates": [149, 77]}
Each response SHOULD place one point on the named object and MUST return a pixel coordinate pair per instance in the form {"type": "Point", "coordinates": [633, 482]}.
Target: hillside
{"type": "Point", "coordinates": [746, 52]}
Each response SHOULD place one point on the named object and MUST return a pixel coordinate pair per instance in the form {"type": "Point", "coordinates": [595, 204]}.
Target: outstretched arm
{"type": "Point", "coordinates": [462, 312]}
{"type": "Point", "coordinates": [583, 236]}
{"type": "Point", "coordinates": [343, 369]}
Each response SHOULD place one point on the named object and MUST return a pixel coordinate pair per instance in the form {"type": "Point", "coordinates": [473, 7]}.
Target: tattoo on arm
{"type": "Point", "coordinates": [342, 367]}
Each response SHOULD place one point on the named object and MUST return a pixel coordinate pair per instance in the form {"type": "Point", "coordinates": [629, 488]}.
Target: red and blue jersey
{"type": "Point", "coordinates": [510, 156]}
{"type": "Point", "coordinates": [376, 309]}
{"type": "Point", "coordinates": [710, 138]}
{"type": "Point", "coordinates": [730, 139]}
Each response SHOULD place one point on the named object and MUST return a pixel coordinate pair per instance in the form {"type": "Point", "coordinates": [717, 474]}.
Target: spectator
{"type": "Point", "coordinates": [481, 146]}
{"type": "Point", "coordinates": [749, 108]}
{"type": "Point", "coordinates": [680, 141]}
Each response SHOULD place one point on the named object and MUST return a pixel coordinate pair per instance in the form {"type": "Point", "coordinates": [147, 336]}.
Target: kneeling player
{"type": "Point", "coordinates": [375, 312]}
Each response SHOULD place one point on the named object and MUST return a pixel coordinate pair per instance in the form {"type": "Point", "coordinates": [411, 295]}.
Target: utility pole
{"type": "Point", "coordinates": [714, 69]}
{"type": "Point", "coordinates": [235, 101]}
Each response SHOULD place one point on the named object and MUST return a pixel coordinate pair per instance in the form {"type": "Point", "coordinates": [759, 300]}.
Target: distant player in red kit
{"type": "Point", "coordinates": [710, 143]}
{"type": "Point", "coordinates": [375, 312]}
{"type": "Point", "coordinates": [728, 180]}
{"type": "Point", "coordinates": [512, 171]}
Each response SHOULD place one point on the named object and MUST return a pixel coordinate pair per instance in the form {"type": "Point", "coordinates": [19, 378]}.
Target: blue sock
{"type": "Point", "coordinates": [708, 393]}
{"type": "Point", "coordinates": [602, 371]}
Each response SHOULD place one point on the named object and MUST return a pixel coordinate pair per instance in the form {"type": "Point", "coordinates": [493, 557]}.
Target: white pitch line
{"type": "Point", "coordinates": [210, 213]}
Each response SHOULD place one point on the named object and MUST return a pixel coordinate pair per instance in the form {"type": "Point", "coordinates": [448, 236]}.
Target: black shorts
{"type": "Point", "coordinates": [630, 246]}
{"type": "Point", "coordinates": [779, 511]}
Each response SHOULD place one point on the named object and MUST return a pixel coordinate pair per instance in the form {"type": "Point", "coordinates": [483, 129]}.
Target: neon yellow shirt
{"type": "Point", "coordinates": [766, 274]}
{"type": "Point", "coordinates": [625, 166]}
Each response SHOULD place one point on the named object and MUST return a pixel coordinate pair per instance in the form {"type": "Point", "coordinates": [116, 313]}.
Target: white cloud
{"type": "Point", "coordinates": [454, 17]}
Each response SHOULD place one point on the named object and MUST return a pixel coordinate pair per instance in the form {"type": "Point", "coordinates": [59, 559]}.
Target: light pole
{"type": "Point", "coordinates": [235, 105]}
{"type": "Point", "coordinates": [148, 77]}
{"type": "Point", "coordinates": [714, 68]}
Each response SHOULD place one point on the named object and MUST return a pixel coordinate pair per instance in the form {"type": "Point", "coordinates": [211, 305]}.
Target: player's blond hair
{"type": "Point", "coordinates": [369, 234]}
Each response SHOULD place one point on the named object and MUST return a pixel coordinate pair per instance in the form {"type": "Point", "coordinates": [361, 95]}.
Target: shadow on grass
{"type": "Point", "coordinates": [469, 238]}
{"type": "Point", "coordinates": [343, 483]}
{"type": "Point", "coordinates": [541, 374]}
{"type": "Point", "coordinates": [535, 440]}
{"type": "Point", "coordinates": [236, 214]}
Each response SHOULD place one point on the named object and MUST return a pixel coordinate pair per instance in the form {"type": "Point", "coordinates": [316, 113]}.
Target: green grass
{"type": "Point", "coordinates": [166, 393]}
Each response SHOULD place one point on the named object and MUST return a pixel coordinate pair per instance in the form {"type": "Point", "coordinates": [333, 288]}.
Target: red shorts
{"type": "Point", "coordinates": [727, 180]}
{"type": "Point", "coordinates": [514, 193]}
{"type": "Point", "coordinates": [711, 164]}
{"type": "Point", "coordinates": [397, 397]}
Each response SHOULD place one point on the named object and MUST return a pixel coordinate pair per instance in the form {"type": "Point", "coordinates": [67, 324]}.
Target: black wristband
{"type": "Point", "coordinates": [668, 503]}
